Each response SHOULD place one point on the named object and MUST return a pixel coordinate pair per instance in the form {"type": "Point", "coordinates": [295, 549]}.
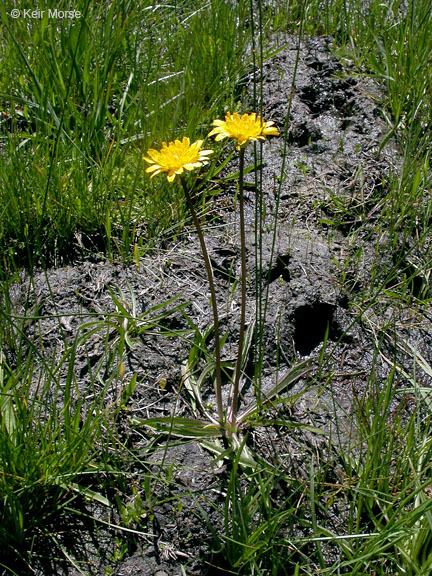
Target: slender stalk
{"type": "Point", "coordinates": [209, 270]}
{"type": "Point", "coordinates": [243, 292]}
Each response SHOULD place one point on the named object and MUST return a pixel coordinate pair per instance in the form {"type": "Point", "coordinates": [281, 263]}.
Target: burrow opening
{"type": "Point", "coordinates": [310, 325]}
{"type": "Point", "coordinates": [280, 268]}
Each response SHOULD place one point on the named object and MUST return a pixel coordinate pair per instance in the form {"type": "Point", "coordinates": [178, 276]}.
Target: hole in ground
{"type": "Point", "coordinates": [280, 268]}
{"type": "Point", "coordinates": [303, 134]}
{"type": "Point", "coordinates": [310, 325]}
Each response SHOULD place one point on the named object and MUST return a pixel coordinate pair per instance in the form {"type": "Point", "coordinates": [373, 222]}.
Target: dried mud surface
{"type": "Point", "coordinates": [335, 132]}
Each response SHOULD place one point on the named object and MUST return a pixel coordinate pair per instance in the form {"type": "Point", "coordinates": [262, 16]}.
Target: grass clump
{"type": "Point", "coordinates": [52, 450]}
{"type": "Point", "coordinates": [389, 475]}
{"type": "Point", "coordinates": [82, 98]}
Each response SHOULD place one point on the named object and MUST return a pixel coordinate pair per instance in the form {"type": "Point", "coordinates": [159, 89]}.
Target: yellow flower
{"type": "Point", "coordinates": [176, 157]}
{"type": "Point", "coordinates": [244, 129]}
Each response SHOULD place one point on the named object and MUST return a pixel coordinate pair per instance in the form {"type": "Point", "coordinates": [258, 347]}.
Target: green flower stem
{"type": "Point", "coordinates": [209, 271]}
{"type": "Point", "coordinates": [243, 292]}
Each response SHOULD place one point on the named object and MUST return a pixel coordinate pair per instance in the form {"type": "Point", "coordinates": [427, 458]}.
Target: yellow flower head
{"type": "Point", "coordinates": [244, 129]}
{"type": "Point", "coordinates": [176, 157]}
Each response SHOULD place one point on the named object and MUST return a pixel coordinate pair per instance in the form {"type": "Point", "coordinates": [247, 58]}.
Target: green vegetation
{"type": "Point", "coordinates": [81, 100]}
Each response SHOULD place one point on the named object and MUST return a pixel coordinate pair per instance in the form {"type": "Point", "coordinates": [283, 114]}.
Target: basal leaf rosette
{"type": "Point", "coordinates": [243, 129]}
{"type": "Point", "coordinates": [176, 157]}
